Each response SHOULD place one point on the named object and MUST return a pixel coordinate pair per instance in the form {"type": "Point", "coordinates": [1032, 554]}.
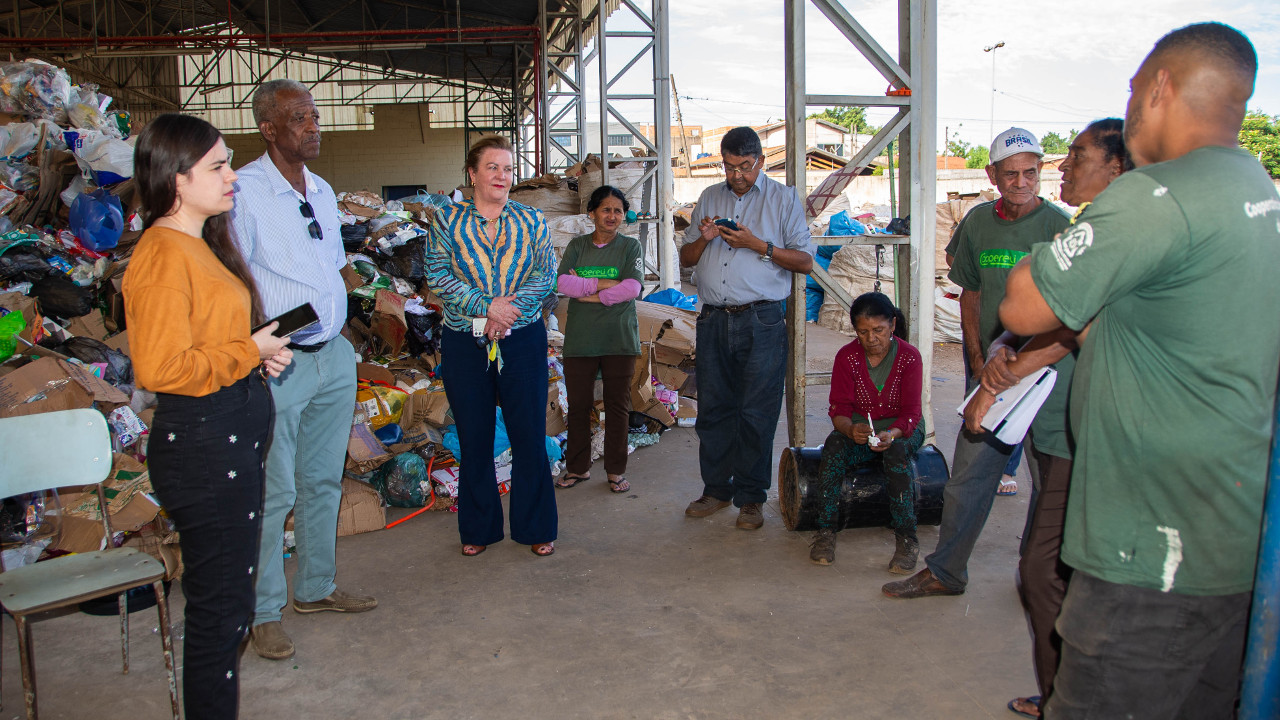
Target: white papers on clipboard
{"type": "Point", "coordinates": [1014, 409]}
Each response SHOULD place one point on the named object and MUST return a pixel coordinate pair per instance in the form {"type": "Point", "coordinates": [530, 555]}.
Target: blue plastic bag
{"type": "Point", "coordinates": [673, 298]}
{"type": "Point", "coordinates": [97, 219]}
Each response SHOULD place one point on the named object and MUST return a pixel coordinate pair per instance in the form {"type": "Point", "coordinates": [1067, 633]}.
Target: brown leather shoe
{"type": "Point", "coordinates": [750, 517]}
{"type": "Point", "coordinates": [823, 550]}
{"type": "Point", "coordinates": [270, 641]}
{"type": "Point", "coordinates": [338, 601]}
{"type": "Point", "coordinates": [705, 506]}
{"type": "Point", "coordinates": [922, 584]}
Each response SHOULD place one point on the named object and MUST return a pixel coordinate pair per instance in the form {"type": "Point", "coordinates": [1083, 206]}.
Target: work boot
{"type": "Point", "coordinates": [705, 506]}
{"type": "Point", "coordinates": [270, 641]}
{"type": "Point", "coordinates": [823, 549]}
{"type": "Point", "coordinates": [337, 601]}
{"type": "Point", "coordinates": [750, 517]}
{"type": "Point", "coordinates": [904, 557]}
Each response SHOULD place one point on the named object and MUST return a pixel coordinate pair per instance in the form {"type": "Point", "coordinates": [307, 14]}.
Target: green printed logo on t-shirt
{"type": "Point", "coordinates": [601, 272]}
{"type": "Point", "coordinates": [1005, 259]}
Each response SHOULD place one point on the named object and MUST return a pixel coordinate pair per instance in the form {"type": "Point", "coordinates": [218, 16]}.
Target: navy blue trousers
{"type": "Point", "coordinates": [475, 388]}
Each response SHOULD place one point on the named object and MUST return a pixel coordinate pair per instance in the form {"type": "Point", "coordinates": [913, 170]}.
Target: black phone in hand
{"type": "Point", "coordinates": [727, 223]}
{"type": "Point", "coordinates": [299, 318]}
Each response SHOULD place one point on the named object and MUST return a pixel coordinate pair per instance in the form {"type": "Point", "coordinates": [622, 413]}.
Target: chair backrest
{"type": "Point", "coordinates": [54, 449]}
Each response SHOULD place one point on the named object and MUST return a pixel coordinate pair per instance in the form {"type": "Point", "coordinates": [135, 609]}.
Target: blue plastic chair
{"type": "Point", "coordinates": [64, 449]}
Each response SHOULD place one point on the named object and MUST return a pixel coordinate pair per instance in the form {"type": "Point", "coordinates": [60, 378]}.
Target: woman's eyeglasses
{"type": "Point", "coordinates": [313, 227]}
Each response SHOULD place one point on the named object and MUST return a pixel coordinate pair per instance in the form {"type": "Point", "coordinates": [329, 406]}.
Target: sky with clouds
{"type": "Point", "coordinates": [1063, 64]}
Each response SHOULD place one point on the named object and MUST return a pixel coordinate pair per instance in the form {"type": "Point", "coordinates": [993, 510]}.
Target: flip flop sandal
{"type": "Point", "coordinates": [620, 485]}
{"type": "Point", "coordinates": [543, 549]}
{"type": "Point", "coordinates": [1034, 700]}
{"type": "Point", "coordinates": [569, 480]}
{"type": "Point", "coordinates": [1004, 489]}
{"type": "Point", "coordinates": [473, 550]}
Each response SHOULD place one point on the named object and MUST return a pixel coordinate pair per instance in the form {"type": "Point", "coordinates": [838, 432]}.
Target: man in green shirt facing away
{"type": "Point", "coordinates": [1170, 272]}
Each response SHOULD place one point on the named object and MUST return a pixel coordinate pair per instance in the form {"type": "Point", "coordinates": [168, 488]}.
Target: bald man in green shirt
{"type": "Point", "coordinates": [1168, 276]}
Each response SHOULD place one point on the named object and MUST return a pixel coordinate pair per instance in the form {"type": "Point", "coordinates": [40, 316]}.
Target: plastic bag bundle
{"type": "Point", "coordinates": [382, 405]}
{"type": "Point", "coordinates": [61, 298]}
{"type": "Point", "coordinates": [23, 264]}
{"type": "Point", "coordinates": [11, 323]}
{"type": "Point", "coordinates": [106, 157]}
{"type": "Point", "coordinates": [403, 481]}
{"type": "Point", "coordinates": [34, 88]}
{"type": "Point", "coordinates": [407, 261]}
{"type": "Point", "coordinates": [118, 368]}
{"type": "Point", "coordinates": [353, 236]}
{"type": "Point", "coordinates": [425, 331]}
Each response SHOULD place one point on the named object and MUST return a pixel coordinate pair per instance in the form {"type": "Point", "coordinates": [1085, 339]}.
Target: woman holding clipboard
{"type": "Point", "coordinates": [189, 304]}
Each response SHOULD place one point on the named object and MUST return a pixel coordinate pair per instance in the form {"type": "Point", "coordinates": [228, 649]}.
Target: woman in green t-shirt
{"type": "Point", "coordinates": [601, 274]}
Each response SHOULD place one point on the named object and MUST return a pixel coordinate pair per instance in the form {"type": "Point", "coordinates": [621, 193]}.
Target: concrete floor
{"type": "Point", "coordinates": [641, 613]}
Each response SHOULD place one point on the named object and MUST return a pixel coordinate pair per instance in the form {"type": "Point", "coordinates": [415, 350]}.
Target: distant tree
{"type": "Point", "coordinates": [977, 157]}
{"type": "Point", "coordinates": [846, 116]}
{"type": "Point", "coordinates": [1260, 135]}
{"type": "Point", "coordinates": [1054, 144]}
{"type": "Point", "coordinates": [957, 147]}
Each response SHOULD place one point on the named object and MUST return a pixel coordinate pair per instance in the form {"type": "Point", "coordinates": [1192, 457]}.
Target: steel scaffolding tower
{"type": "Point", "coordinates": [914, 90]}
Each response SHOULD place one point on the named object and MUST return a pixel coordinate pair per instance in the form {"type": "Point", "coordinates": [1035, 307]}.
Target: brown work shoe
{"type": "Point", "coordinates": [270, 641]}
{"type": "Point", "coordinates": [922, 584]}
{"type": "Point", "coordinates": [337, 601]}
{"type": "Point", "coordinates": [750, 517]}
{"type": "Point", "coordinates": [904, 557]}
{"type": "Point", "coordinates": [705, 506]}
{"type": "Point", "coordinates": [823, 550]}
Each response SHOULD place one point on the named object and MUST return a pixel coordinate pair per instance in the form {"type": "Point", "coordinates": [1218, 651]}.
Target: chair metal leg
{"type": "Point", "coordinates": [28, 664]}
{"type": "Point", "coordinates": [123, 601]}
{"type": "Point", "coordinates": [166, 640]}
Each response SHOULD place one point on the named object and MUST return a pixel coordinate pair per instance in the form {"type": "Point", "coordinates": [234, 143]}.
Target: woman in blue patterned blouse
{"type": "Point", "coordinates": [490, 260]}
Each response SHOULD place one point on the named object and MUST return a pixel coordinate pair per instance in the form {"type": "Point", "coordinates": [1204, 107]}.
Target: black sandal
{"type": "Point", "coordinates": [620, 485]}
{"type": "Point", "coordinates": [570, 479]}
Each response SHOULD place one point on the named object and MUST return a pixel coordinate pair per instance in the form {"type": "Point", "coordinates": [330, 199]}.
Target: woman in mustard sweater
{"type": "Point", "coordinates": [189, 305]}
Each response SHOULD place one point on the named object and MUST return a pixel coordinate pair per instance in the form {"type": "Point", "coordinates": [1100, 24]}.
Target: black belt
{"type": "Point", "coordinates": [308, 348]}
{"type": "Point", "coordinates": [740, 308]}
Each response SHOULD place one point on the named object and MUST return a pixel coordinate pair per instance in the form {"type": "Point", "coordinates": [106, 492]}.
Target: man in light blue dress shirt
{"type": "Point", "coordinates": [286, 222]}
{"type": "Point", "coordinates": [743, 274]}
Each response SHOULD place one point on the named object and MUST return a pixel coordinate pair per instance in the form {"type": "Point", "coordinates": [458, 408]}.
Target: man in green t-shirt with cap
{"type": "Point", "coordinates": [1169, 277]}
{"type": "Point", "coordinates": [990, 240]}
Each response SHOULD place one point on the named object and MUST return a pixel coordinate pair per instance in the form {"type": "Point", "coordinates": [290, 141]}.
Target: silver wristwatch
{"type": "Point", "coordinates": [768, 253]}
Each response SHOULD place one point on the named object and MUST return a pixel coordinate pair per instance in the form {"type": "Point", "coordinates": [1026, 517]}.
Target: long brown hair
{"type": "Point", "coordinates": [171, 145]}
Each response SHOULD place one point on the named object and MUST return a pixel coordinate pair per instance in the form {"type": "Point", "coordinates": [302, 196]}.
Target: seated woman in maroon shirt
{"type": "Point", "coordinates": [877, 378]}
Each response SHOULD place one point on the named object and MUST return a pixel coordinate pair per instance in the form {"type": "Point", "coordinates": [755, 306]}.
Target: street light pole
{"type": "Point", "coordinates": [991, 130]}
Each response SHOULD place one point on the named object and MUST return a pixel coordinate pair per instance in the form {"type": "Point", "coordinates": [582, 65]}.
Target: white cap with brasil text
{"type": "Point", "coordinates": [1014, 141]}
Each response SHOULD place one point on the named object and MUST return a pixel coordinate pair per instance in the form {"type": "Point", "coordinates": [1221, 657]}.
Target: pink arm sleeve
{"type": "Point", "coordinates": [576, 287]}
{"type": "Point", "coordinates": [628, 289]}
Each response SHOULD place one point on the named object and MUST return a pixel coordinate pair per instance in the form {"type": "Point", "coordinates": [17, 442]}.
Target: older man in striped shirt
{"type": "Point", "coordinates": [286, 222]}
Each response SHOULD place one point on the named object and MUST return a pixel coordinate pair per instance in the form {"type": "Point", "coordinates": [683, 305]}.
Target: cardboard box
{"type": "Point", "coordinates": [641, 388]}
{"type": "Point", "coordinates": [426, 406]}
{"type": "Point", "coordinates": [351, 278]}
{"type": "Point", "coordinates": [669, 376]}
{"type": "Point", "coordinates": [364, 451]}
{"type": "Point", "coordinates": [388, 323]}
{"type": "Point", "coordinates": [49, 384]}
{"type": "Point", "coordinates": [128, 501]}
{"type": "Point", "coordinates": [555, 413]}
{"type": "Point", "coordinates": [375, 374]}
{"type": "Point", "coordinates": [119, 341]}
{"type": "Point", "coordinates": [360, 510]}
{"type": "Point", "coordinates": [688, 408]}
{"type": "Point", "coordinates": [90, 326]}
